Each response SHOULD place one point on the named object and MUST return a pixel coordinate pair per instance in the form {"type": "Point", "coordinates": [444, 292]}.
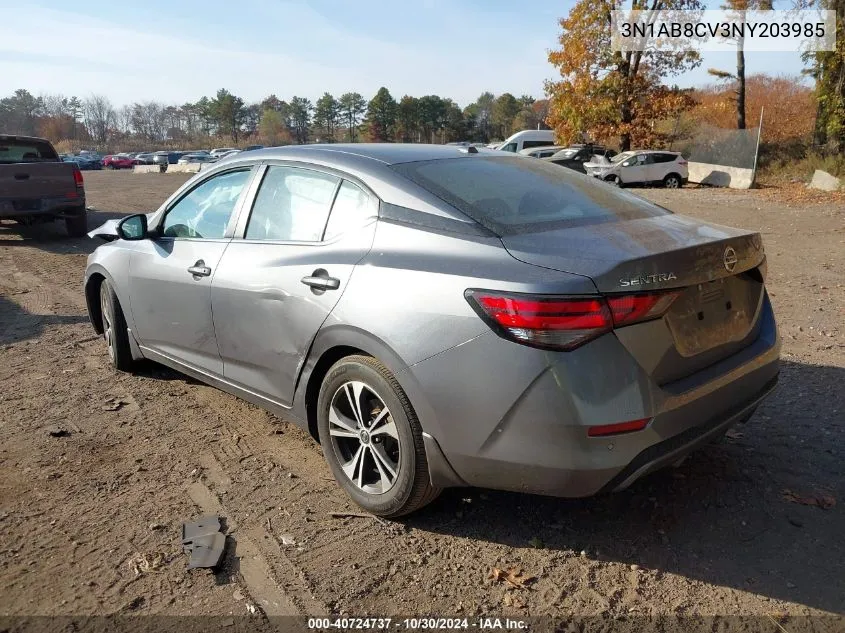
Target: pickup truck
{"type": "Point", "coordinates": [37, 186]}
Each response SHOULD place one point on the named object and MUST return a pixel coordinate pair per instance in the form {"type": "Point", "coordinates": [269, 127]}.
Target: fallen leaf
{"type": "Point", "coordinates": [821, 501]}
{"type": "Point", "coordinates": [513, 576]}
{"type": "Point", "coordinates": [141, 563]}
{"type": "Point", "coordinates": [731, 434]}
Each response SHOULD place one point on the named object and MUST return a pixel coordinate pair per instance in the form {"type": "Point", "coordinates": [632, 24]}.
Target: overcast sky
{"type": "Point", "coordinates": [179, 50]}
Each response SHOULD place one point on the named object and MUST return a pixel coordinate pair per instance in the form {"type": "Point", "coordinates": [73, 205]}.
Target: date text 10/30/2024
{"type": "Point", "coordinates": [414, 624]}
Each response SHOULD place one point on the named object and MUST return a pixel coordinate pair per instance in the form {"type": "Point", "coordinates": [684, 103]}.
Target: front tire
{"type": "Point", "coordinates": [372, 439]}
{"type": "Point", "coordinates": [114, 328]}
{"type": "Point", "coordinates": [77, 224]}
{"type": "Point", "coordinates": [613, 180]}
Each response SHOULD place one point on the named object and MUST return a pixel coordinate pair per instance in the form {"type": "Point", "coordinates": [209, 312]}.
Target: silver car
{"type": "Point", "coordinates": [446, 316]}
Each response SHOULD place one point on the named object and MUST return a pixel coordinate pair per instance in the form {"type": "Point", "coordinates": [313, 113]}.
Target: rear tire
{"type": "Point", "coordinates": [77, 224]}
{"type": "Point", "coordinates": [672, 181]}
{"type": "Point", "coordinates": [114, 328]}
{"type": "Point", "coordinates": [372, 439]}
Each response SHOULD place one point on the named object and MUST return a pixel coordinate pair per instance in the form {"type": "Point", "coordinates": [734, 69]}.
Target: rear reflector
{"type": "Point", "coordinates": [614, 429]}
{"type": "Point", "coordinates": [563, 323]}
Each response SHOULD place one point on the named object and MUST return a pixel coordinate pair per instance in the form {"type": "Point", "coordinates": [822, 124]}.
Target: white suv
{"type": "Point", "coordinates": [642, 167]}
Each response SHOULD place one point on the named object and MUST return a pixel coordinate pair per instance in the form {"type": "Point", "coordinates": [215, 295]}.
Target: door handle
{"type": "Point", "coordinates": [321, 283]}
{"type": "Point", "coordinates": [199, 269]}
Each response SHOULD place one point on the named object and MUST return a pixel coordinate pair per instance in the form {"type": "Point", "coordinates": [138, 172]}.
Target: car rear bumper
{"type": "Point", "coordinates": [525, 428]}
{"type": "Point", "coordinates": [42, 207]}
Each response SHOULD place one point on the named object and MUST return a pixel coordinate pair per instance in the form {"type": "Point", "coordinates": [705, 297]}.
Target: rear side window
{"type": "Point", "coordinates": [292, 205]}
{"type": "Point", "coordinates": [352, 208]}
{"type": "Point", "coordinates": [527, 144]}
{"type": "Point", "coordinates": [511, 195]}
{"type": "Point", "coordinates": [27, 151]}
{"type": "Point", "coordinates": [664, 158]}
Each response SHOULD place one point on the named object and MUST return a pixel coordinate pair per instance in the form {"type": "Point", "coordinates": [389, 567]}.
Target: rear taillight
{"type": "Point", "coordinates": [628, 309]}
{"type": "Point", "coordinates": [615, 429]}
{"type": "Point", "coordinates": [77, 177]}
{"type": "Point", "coordinates": [681, 161]}
{"type": "Point", "coordinates": [563, 323]}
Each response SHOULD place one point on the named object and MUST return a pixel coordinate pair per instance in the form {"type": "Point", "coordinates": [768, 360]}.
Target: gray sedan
{"type": "Point", "coordinates": [443, 316]}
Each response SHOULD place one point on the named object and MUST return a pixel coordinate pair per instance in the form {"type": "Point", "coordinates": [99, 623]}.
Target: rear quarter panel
{"type": "Point", "coordinates": [405, 300]}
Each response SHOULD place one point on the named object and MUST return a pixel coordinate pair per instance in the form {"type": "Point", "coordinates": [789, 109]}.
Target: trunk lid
{"type": "Point", "coordinates": [21, 182]}
{"type": "Point", "coordinates": [717, 270]}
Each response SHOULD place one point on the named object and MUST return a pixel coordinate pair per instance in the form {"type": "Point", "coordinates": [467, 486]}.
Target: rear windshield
{"type": "Point", "coordinates": [510, 195]}
{"type": "Point", "coordinates": [26, 151]}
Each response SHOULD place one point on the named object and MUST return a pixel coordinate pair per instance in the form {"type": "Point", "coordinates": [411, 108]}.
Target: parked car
{"type": "Point", "coordinates": [167, 158]}
{"type": "Point", "coordinates": [227, 154]}
{"type": "Point", "coordinates": [196, 158]}
{"type": "Point", "coordinates": [643, 167]}
{"type": "Point", "coordinates": [539, 332]}
{"type": "Point", "coordinates": [144, 158]}
{"type": "Point", "coordinates": [85, 163]}
{"type": "Point", "coordinates": [544, 151]}
{"type": "Point", "coordinates": [37, 186]}
{"type": "Point", "coordinates": [250, 148]}
{"type": "Point", "coordinates": [221, 150]}
{"type": "Point", "coordinates": [575, 156]}
{"type": "Point", "coordinates": [120, 161]}
{"type": "Point", "coordinates": [526, 139]}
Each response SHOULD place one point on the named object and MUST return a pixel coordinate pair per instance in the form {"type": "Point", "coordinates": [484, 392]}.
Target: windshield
{"type": "Point", "coordinates": [27, 151]}
{"type": "Point", "coordinates": [511, 195]}
{"type": "Point", "coordinates": [620, 157]}
{"type": "Point", "coordinates": [566, 153]}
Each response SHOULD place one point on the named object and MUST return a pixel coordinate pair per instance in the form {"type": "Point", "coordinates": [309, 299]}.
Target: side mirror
{"type": "Point", "coordinates": [133, 228]}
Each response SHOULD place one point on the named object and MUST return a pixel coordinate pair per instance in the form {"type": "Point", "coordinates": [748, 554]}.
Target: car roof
{"type": "Point", "coordinates": [27, 139]}
{"type": "Point", "coordinates": [541, 148]}
{"type": "Point", "coordinates": [363, 153]}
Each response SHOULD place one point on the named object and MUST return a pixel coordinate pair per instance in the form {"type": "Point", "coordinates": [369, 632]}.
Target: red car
{"type": "Point", "coordinates": [118, 161]}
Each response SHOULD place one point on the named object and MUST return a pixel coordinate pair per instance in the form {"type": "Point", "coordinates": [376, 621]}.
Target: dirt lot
{"type": "Point", "coordinates": [92, 494]}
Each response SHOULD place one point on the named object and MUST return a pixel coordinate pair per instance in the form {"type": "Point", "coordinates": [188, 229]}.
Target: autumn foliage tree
{"type": "Point", "coordinates": [828, 69]}
{"type": "Point", "coordinates": [789, 107]}
{"type": "Point", "coordinates": [613, 95]}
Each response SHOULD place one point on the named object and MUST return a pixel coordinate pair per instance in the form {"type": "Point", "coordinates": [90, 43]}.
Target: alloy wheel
{"type": "Point", "coordinates": [364, 437]}
{"type": "Point", "coordinates": [108, 320]}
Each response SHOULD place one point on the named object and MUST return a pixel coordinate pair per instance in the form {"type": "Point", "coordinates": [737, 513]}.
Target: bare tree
{"type": "Point", "coordinates": [100, 117]}
{"type": "Point", "coordinates": [124, 120]}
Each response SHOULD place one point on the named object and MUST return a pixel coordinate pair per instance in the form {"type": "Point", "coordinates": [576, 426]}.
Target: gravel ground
{"type": "Point", "coordinates": [99, 469]}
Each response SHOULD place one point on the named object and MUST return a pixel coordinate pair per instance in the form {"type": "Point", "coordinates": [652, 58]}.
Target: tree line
{"type": "Point", "coordinates": [72, 122]}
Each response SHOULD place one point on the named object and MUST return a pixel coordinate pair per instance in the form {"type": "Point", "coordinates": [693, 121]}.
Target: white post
{"type": "Point", "coordinates": [757, 149]}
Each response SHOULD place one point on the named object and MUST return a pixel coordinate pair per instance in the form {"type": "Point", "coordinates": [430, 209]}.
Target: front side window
{"type": "Point", "coordinates": [510, 147]}
{"type": "Point", "coordinates": [292, 205]}
{"type": "Point", "coordinates": [205, 211]}
{"type": "Point", "coordinates": [352, 208]}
